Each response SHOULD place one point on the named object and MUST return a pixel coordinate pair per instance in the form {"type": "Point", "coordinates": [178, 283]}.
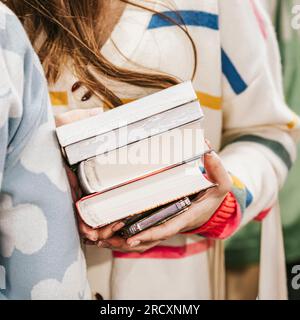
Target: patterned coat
{"type": "Point", "coordinates": [40, 254]}
{"type": "Point", "coordinates": [238, 81]}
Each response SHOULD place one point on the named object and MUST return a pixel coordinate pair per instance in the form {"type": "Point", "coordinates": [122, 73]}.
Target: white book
{"type": "Point", "coordinates": [154, 154]}
{"type": "Point", "coordinates": [149, 193]}
{"type": "Point", "coordinates": [134, 132]}
{"type": "Point", "coordinates": [129, 113]}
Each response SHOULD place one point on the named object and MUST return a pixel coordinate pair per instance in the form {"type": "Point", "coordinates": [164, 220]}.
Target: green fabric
{"type": "Point", "coordinates": [290, 208]}
{"type": "Point", "coordinates": [243, 248]}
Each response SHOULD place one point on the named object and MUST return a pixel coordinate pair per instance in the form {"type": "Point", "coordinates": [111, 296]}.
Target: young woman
{"type": "Point", "coordinates": [40, 254]}
{"type": "Point", "coordinates": [102, 53]}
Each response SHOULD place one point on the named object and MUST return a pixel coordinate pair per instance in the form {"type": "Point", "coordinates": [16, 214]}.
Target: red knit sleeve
{"type": "Point", "coordinates": [224, 221]}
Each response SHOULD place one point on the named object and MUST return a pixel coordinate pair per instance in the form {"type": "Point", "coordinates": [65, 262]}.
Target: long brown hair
{"type": "Point", "coordinates": [70, 34]}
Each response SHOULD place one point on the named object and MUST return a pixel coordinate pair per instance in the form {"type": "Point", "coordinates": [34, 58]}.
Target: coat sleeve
{"type": "Point", "coordinates": [5, 110]}
{"type": "Point", "coordinates": [11, 84]}
{"type": "Point", "coordinates": [259, 130]}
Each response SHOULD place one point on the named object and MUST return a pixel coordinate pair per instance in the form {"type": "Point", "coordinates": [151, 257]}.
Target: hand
{"type": "Point", "coordinates": [74, 184]}
{"type": "Point", "coordinates": [63, 119]}
{"type": "Point", "coordinates": [91, 236]}
{"type": "Point", "coordinates": [66, 118]}
{"type": "Point", "coordinates": [200, 212]}
{"type": "Point", "coordinates": [75, 115]}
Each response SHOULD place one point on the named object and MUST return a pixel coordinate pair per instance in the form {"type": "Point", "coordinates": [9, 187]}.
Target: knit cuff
{"type": "Point", "coordinates": [224, 221]}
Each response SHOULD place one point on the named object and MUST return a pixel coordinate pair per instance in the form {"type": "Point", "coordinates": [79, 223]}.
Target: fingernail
{"type": "Point", "coordinates": [92, 237]}
{"type": "Point", "coordinates": [211, 153]}
{"type": "Point", "coordinates": [100, 244]}
{"type": "Point", "coordinates": [134, 244]}
{"type": "Point", "coordinates": [118, 226]}
{"type": "Point", "coordinates": [95, 111]}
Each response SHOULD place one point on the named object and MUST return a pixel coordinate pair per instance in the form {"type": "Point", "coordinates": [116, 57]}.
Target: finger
{"type": "Point", "coordinates": [109, 230]}
{"type": "Point", "coordinates": [75, 115]}
{"type": "Point", "coordinates": [71, 177]}
{"type": "Point", "coordinates": [74, 195]}
{"type": "Point", "coordinates": [122, 246]}
{"type": "Point", "coordinates": [113, 242]}
{"type": "Point", "coordinates": [142, 247]}
{"type": "Point", "coordinates": [208, 144]}
{"type": "Point", "coordinates": [87, 231]}
{"type": "Point", "coordinates": [74, 184]}
{"type": "Point", "coordinates": [216, 172]}
{"type": "Point", "coordinates": [159, 233]}
{"type": "Point", "coordinates": [118, 226]}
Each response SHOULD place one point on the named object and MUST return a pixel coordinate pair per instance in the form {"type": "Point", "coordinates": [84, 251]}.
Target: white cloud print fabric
{"type": "Point", "coordinates": [65, 289]}
{"type": "Point", "coordinates": [23, 227]}
{"type": "Point", "coordinates": [37, 159]}
{"type": "Point", "coordinates": [40, 253]}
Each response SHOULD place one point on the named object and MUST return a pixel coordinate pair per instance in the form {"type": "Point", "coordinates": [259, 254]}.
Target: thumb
{"type": "Point", "coordinates": [75, 115]}
{"type": "Point", "coordinates": [216, 172]}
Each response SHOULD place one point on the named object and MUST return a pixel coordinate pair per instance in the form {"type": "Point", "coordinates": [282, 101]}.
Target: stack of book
{"type": "Point", "coordinates": [138, 157]}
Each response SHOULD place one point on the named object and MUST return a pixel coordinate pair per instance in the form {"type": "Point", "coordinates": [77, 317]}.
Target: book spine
{"type": "Point", "coordinates": [148, 106]}
{"type": "Point", "coordinates": [98, 174]}
{"type": "Point", "coordinates": [134, 132]}
{"type": "Point", "coordinates": [82, 177]}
